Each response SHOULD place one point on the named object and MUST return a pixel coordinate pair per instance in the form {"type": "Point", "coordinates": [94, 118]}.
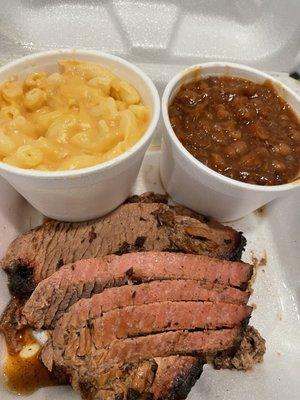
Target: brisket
{"type": "Point", "coordinates": [159, 317]}
{"type": "Point", "coordinates": [175, 376]}
{"type": "Point", "coordinates": [134, 295]}
{"type": "Point", "coordinates": [153, 318]}
{"type": "Point", "coordinates": [162, 378]}
{"type": "Point", "coordinates": [148, 197]}
{"type": "Point", "coordinates": [107, 343]}
{"type": "Point", "coordinates": [139, 225]}
{"type": "Point", "coordinates": [9, 324]}
{"type": "Point", "coordinates": [250, 352]}
{"type": "Point", "coordinates": [75, 359]}
{"type": "Point", "coordinates": [166, 344]}
{"type": "Point", "coordinates": [54, 295]}
{"type": "Point", "coordinates": [143, 226]}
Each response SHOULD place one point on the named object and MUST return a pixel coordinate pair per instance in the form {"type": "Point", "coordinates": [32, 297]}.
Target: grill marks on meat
{"type": "Point", "coordinates": [131, 227]}
{"type": "Point", "coordinates": [55, 294]}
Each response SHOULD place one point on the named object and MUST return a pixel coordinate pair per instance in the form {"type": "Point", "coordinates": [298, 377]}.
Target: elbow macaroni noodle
{"type": "Point", "coordinates": [77, 118]}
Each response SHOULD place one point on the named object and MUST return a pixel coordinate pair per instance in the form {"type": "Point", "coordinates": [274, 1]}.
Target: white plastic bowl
{"type": "Point", "coordinates": [90, 192]}
{"type": "Point", "coordinates": [191, 183]}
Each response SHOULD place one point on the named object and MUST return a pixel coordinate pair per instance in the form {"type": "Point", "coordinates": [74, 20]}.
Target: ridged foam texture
{"type": "Point", "coordinates": [256, 32]}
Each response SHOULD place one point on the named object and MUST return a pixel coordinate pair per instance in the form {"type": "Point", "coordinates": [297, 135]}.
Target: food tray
{"type": "Point", "coordinates": [163, 37]}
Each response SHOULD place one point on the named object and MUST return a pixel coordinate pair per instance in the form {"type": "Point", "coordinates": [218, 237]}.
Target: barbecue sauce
{"type": "Point", "coordinates": [24, 376]}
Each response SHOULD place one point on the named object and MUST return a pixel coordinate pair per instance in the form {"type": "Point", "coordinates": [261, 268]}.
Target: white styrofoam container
{"type": "Point", "coordinates": [92, 192]}
{"type": "Point", "coordinates": [194, 185]}
{"type": "Point", "coordinates": [163, 37]}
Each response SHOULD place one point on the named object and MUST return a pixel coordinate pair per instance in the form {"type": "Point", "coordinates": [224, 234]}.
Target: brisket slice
{"type": "Point", "coordinates": [166, 316]}
{"type": "Point", "coordinates": [171, 378]}
{"type": "Point", "coordinates": [9, 324]}
{"type": "Point", "coordinates": [86, 311]}
{"type": "Point", "coordinates": [162, 378]}
{"type": "Point", "coordinates": [153, 318]}
{"type": "Point", "coordinates": [166, 344]}
{"type": "Point", "coordinates": [133, 295]}
{"type": "Point", "coordinates": [175, 376]}
{"type": "Point", "coordinates": [100, 344]}
{"type": "Point", "coordinates": [74, 359]}
{"type": "Point", "coordinates": [54, 295]}
{"type": "Point", "coordinates": [38, 253]}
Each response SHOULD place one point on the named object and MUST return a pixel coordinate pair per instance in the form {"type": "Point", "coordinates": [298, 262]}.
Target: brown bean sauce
{"type": "Point", "coordinates": [240, 129]}
{"type": "Point", "coordinates": [24, 376]}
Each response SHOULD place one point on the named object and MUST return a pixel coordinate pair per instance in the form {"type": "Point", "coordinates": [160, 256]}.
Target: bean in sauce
{"type": "Point", "coordinates": [239, 128]}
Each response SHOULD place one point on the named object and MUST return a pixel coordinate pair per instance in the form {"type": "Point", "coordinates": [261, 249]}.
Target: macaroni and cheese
{"type": "Point", "coordinates": [75, 118]}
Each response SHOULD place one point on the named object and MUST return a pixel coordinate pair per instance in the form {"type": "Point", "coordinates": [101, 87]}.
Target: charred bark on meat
{"type": "Point", "coordinates": [21, 281]}
{"type": "Point", "coordinates": [148, 197]}
{"type": "Point", "coordinates": [185, 381]}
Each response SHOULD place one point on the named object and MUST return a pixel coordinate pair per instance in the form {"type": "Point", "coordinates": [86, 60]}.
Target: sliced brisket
{"type": "Point", "coordinates": [165, 316]}
{"type": "Point", "coordinates": [166, 344]}
{"type": "Point", "coordinates": [162, 378]}
{"type": "Point", "coordinates": [150, 318]}
{"type": "Point", "coordinates": [81, 354]}
{"type": "Point", "coordinates": [134, 324]}
{"type": "Point", "coordinates": [9, 324]}
{"type": "Point", "coordinates": [54, 295]}
{"type": "Point", "coordinates": [175, 376]}
{"type": "Point", "coordinates": [250, 352]}
{"type": "Point", "coordinates": [132, 227]}
{"type": "Point", "coordinates": [153, 318]}
{"type": "Point", "coordinates": [134, 295]}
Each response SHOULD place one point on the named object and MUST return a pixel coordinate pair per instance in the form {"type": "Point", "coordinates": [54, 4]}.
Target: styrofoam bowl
{"type": "Point", "coordinates": [193, 184]}
{"type": "Point", "coordinates": [89, 192]}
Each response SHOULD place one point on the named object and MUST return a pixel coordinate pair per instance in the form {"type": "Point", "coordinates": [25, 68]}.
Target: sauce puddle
{"type": "Point", "coordinates": [26, 375]}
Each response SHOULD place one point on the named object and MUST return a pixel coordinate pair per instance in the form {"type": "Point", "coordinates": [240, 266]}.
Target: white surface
{"type": "Point", "coordinates": [193, 184]}
{"type": "Point", "coordinates": [91, 192]}
{"type": "Point", "coordinates": [163, 37]}
{"type": "Point", "coordinates": [276, 233]}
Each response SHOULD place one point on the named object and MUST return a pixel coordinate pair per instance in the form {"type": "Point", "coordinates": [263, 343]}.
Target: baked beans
{"type": "Point", "coordinates": [239, 128]}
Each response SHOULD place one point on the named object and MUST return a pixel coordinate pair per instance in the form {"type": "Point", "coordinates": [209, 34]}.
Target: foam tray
{"type": "Point", "coordinates": [163, 37]}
